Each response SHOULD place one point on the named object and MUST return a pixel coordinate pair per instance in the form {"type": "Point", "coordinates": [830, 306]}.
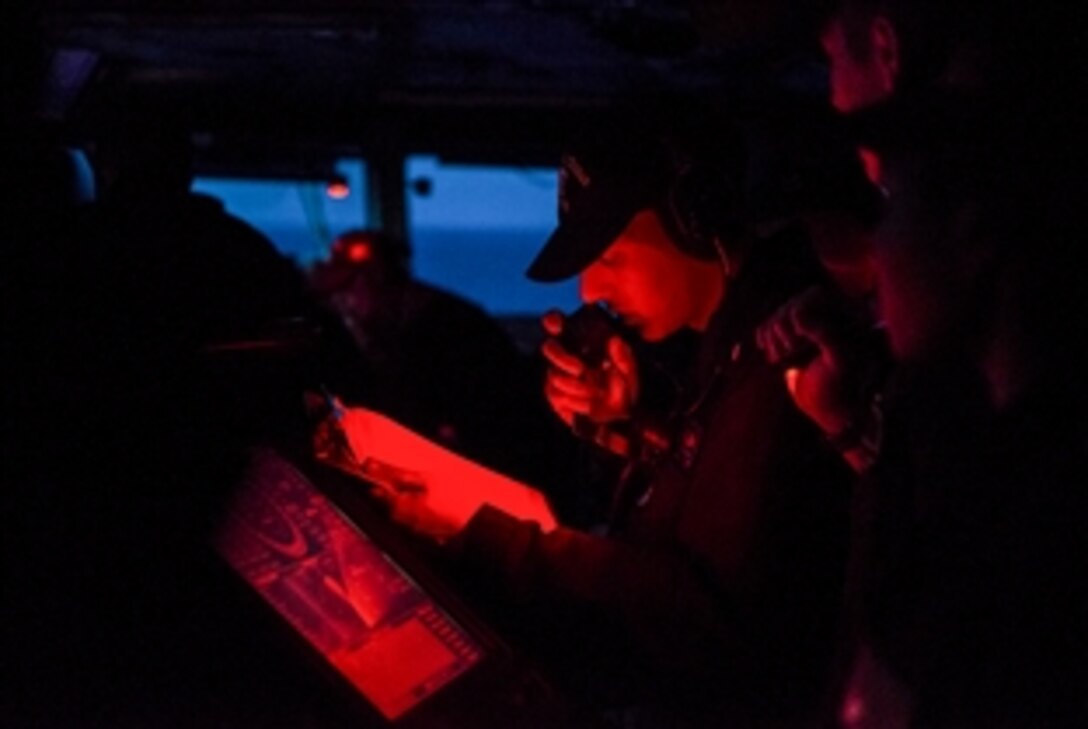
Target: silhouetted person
{"type": "Point", "coordinates": [969, 574]}
{"type": "Point", "coordinates": [874, 49]}
{"type": "Point", "coordinates": [133, 423]}
{"type": "Point", "coordinates": [967, 591]}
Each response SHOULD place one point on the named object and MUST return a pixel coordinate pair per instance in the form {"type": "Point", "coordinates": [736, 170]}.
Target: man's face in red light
{"type": "Point", "coordinates": [654, 287]}
{"type": "Point", "coordinates": [857, 82]}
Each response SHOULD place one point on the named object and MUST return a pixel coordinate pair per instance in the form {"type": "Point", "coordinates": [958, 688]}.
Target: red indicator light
{"type": "Point", "coordinates": [338, 189]}
{"type": "Point", "coordinates": [358, 252]}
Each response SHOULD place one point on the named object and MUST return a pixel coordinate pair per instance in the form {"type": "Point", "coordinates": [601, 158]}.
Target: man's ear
{"type": "Point", "coordinates": [885, 52]}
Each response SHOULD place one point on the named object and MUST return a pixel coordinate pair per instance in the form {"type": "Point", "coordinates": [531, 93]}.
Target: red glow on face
{"type": "Point", "coordinates": [871, 163]}
{"type": "Point", "coordinates": [853, 83]}
{"type": "Point", "coordinates": [645, 279]}
{"type": "Point", "coordinates": [337, 190]}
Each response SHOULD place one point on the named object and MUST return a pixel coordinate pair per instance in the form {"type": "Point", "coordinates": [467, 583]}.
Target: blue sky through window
{"type": "Point", "coordinates": [297, 215]}
{"type": "Point", "coordinates": [479, 228]}
{"type": "Point", "coordinates": [474, 233]}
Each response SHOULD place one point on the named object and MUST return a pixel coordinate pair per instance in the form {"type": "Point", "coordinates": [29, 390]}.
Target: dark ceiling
{"type": "Point", "coordinates": [278, 81]}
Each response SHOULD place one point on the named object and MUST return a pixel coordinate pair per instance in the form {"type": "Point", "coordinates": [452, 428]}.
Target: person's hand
{"type": "Point", "coordinates": [811, 337]}
{"type": "Point", "coordinates": [413, 506]}
{"type": "Point", "coordinates": [602, 394]}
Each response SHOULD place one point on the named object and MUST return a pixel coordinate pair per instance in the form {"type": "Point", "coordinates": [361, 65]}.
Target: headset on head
{"type": "Point", "coordinates": [703, 207]}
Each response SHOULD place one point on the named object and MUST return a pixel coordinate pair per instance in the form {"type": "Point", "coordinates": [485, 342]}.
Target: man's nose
{"type": "Point", "coordinates": [592, 287]}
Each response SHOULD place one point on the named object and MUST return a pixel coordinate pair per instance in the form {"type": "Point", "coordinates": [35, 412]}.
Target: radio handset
{"type": "Point", "coordinates": [585, 334]}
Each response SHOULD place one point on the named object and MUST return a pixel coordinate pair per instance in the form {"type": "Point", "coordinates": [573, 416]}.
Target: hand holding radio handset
{"type": "Point", "coordinates": [593, 377]}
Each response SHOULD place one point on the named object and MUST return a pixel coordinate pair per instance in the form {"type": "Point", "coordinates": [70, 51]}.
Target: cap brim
{"type": "Point", "coordinates": [572, 247]}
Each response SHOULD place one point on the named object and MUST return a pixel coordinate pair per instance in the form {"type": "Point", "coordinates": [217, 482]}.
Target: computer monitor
{"type": "Point", "coordinates": [350, 600]}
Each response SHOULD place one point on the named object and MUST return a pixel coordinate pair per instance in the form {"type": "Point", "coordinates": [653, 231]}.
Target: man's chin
{"type": "Point", "coordinates": [648, 333]}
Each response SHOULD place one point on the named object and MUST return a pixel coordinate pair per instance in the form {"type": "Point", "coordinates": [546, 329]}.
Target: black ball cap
{"type": "Point", "coordinates": [603, 183]}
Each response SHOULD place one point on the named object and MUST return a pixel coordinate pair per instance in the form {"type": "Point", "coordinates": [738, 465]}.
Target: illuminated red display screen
{"type": "Point", "coordinates": [339, 590]}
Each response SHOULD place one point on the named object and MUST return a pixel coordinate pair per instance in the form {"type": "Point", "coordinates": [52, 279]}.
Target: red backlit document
{"type": "Point", "coordinates": [387, 451]}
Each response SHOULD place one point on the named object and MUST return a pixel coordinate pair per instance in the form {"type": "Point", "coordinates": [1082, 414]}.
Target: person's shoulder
{"type": "Point", "coordinates": [211, 216]}
{"type": "Point", "coordinates": [206, 208]}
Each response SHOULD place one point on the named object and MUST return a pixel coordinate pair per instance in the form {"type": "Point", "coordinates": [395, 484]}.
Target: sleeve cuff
{"type": "Point", "coordinates": [495, 541]}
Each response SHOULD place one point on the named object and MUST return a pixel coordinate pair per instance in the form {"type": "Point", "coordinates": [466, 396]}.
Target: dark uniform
{"type": "Point", "coordinates": [967, 566]}
{"type": "Point", "coordinates": [715, 597]}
